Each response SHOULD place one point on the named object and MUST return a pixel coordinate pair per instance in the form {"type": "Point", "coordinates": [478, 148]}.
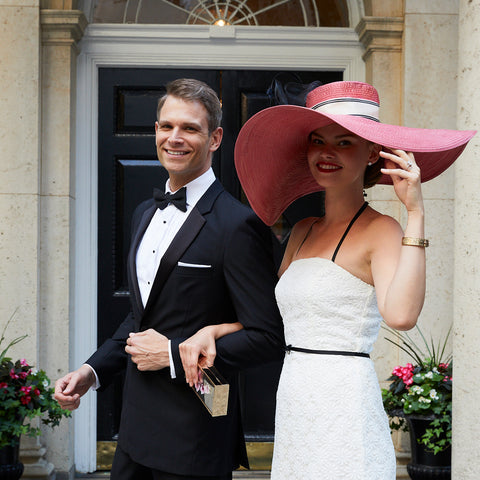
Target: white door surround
{"type": "Point", "coordinates": [170, 46]}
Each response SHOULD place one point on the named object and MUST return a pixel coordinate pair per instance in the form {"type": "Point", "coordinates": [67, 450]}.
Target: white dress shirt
{"type": "Point", "coordinates": [162, 229]}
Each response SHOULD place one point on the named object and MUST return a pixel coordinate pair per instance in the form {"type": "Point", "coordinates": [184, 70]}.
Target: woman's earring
{"type": "Point", "coordinates": [369, 164]}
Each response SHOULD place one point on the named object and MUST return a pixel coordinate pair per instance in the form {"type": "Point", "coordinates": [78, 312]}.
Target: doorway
{"type": "Point", "coordinates": [166, 47]}
{"type": "Point", "coordinates": [128, 170]}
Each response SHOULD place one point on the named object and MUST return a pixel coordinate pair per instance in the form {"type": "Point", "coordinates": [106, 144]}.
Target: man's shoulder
{"type": "Point", "coordinates": [140, 209]}
{"type": "Point", "coordinates": [142, 206]}
{"type": "Point", "coordinates": [238, 221]}
{"type": "Point", "coordinates": [145, 204]}
{"type": "Point", "coordinates": [235, 208]}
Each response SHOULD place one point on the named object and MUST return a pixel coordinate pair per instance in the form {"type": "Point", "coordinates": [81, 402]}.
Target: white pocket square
{"type": "Point", "coordinates": [193, 265]}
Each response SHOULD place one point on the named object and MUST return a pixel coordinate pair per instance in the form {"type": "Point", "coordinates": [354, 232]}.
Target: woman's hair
{"type": "Point", "coordinates": [373, 174]}
{"type": "Point", "coordinates": [191, 90]}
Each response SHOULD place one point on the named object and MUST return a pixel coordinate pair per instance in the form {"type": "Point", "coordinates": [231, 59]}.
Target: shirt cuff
{"type": "Point", "coordinates": [97, 381]}
{"type": "Point", "coordinates": [170, 357]}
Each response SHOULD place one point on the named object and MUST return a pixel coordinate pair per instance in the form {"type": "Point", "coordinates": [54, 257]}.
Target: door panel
{"type": "Point", "coordinates": [128, 171]}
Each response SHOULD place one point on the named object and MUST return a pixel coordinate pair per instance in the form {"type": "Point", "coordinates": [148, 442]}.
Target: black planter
{"type": "Point", "coordinates": [425, 465]}
{"type": "Point", "coordinates": [10, 466]}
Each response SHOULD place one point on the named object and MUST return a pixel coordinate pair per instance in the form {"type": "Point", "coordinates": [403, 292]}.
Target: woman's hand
{"type": "Point", "coordinates": [405, 175]}
{"type": "Point", "coordinates": [200, 349]}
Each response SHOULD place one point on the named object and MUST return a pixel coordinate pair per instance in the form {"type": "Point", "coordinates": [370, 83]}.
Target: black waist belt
{"type": "Point", "coordinates": [289, 348]}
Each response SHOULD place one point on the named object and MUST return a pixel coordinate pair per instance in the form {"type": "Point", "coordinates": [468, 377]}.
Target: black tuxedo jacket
{"type": "Point", "coordinates": [163, 424]}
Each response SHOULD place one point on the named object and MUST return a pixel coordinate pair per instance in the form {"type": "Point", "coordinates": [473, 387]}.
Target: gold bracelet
{"type": "Point", "coordinates": [415, 242]}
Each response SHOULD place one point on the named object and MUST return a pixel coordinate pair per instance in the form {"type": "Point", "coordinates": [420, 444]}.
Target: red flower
{"type": "Point", "coordinates": [3, 385]}
{"type": "Point", "coordinates": [26, 390]}
{"type": "Point", "coordinates": [13, 374]}
{"type": "Point", "coordinates": [37, 392]}
{"type": "Point", "coordinates": [26, 399]}
{"type": "Point", "coordinates": [405, 373]}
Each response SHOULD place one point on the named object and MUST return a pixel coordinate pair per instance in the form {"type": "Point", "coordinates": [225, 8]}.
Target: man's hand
{"type": "Point", "coordinates": [148, 349]}
{"type": "Point", "coordinates": [72, 386]}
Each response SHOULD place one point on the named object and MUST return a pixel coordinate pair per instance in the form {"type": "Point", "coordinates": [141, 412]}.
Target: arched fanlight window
{"type": "Point", "coordinates": [300, 13]}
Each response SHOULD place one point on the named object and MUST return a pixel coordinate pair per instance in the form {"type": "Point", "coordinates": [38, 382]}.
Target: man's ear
{"type": "Point", "coordinates": [216, 139]}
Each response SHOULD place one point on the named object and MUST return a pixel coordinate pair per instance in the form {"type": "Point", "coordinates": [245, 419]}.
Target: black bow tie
{"type": "Point", "coordinates": [179, 199]}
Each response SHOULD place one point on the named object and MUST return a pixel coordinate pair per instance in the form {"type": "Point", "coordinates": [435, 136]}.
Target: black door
{"type": "Point", "coordinates": [128, 171]}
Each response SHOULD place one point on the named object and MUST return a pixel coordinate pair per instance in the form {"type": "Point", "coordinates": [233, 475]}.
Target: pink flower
{"type": "Point", "coordinates": [13, 374]}
{"type": "Point", "coordinates": [23, 375]}
{"type": "Point", "coordinates": [405, 373]}
{"type": "Point", "coordinates": [26, 390]}
{"type": "Point", "coordinates": [3, 385]}
{"type": "Point", "coordinates": [23, 362]}
{"type": "Point", "coordinates": [203, 388]}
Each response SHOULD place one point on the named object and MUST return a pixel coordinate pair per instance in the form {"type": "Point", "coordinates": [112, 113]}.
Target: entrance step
{"type": "Point", "coordinates": [240, 475]}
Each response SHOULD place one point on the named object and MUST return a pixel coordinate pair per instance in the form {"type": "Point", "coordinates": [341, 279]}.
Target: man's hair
{"type": "Point", "coordinates": [191, 90]}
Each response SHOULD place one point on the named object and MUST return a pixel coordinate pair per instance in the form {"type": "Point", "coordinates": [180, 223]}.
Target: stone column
{"type": "Point", "coordinates": [466, 342]}
{"type": "Point", "coordinates": [430, 78]}
{"type": "Point", "coordinates": [36, 195]}
{"type": "Point", "coordinates": [20, 173]}
{"type": "Point", "coordinates": [61, 28]}
{"type": "Point", "coordinates": [382, 39]}
{"type": "Point", "coordinates": [381, 33]}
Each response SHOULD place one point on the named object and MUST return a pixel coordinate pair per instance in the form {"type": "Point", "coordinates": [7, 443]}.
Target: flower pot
{"type": "Point", "coordinates": [425, 465]}
{"type": "Point", "coordinates": [10, 466]}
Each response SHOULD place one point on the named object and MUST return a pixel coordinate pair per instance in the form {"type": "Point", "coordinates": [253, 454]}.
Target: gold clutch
{"type": "Point", "coordinates": [212, 389]}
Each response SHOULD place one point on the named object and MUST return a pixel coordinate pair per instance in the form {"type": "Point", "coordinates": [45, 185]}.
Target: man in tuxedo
{"type": "Point", "coordinates": [198, 259]}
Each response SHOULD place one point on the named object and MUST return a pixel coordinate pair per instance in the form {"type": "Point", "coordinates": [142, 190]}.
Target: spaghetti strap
{"type": "Point", "coordinates": [362, 208]}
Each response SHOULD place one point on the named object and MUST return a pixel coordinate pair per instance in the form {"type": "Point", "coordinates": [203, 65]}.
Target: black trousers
{"type": "Point", "coordinates": [124, 468]}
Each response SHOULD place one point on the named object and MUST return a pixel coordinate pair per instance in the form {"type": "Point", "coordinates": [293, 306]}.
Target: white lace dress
{"type": "Point", "coordinates": [330, 423]}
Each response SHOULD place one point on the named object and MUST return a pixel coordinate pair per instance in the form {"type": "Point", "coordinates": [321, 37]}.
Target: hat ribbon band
{"type": "Point", "coordinates": [357, 107]}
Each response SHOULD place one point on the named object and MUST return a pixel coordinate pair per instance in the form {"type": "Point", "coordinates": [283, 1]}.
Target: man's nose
{"type": "Point", "coordinates": [175, 136]}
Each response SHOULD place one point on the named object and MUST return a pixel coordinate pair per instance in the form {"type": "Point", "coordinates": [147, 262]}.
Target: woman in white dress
{"type": "Point", "coordinates": [341, 273]}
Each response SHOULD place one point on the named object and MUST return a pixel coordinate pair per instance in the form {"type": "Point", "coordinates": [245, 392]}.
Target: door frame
{"type": "Point", "coordinates": [168, 46]}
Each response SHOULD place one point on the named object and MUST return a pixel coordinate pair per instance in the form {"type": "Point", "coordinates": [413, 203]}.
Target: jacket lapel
{"type": "Point", "coordinates": [182, 240]}
{"type": "Point", "coordinates": [132, 264]}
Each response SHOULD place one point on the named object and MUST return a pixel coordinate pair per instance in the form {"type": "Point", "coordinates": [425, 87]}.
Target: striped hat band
{"type": "Point", "coordinates": [349, 106]}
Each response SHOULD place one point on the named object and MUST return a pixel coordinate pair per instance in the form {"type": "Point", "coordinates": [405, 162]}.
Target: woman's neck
{"type": "Point", "coordinates": [341, 205]}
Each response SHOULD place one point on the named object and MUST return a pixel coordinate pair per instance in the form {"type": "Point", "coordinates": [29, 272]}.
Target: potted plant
{"type": "Point", "coordinates": [419, 400]}
{"type": "Point", "coordinates": [25, 393]}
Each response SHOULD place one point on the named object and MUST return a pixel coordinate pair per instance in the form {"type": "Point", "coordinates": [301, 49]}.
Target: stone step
{"type": "Point", "coordinates": [240, 475]}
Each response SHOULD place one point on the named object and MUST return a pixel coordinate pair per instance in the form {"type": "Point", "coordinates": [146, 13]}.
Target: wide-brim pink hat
{"type": "Point", "coordinates": [271, 148]}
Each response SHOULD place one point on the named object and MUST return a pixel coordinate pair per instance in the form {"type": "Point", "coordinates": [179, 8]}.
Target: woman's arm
{"type": "Point", "coordinates": [200, 348]}
{"type": "Point", "coordinates": [398, 270]}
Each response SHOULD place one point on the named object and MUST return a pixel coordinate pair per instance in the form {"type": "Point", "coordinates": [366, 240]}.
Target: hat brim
{"type": "Point", "coordinates": [271, 153]}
